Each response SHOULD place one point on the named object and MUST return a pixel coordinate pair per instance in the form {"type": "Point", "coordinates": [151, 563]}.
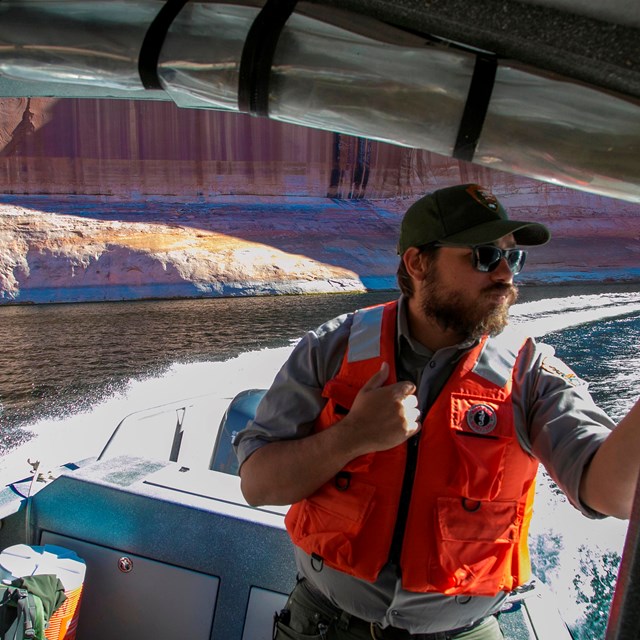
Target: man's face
{"type": "Point", "coordinates": [461, 299]}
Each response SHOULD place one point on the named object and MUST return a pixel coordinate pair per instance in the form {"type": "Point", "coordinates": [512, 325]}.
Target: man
{"type": "Point", "coordinates": [407, 437]}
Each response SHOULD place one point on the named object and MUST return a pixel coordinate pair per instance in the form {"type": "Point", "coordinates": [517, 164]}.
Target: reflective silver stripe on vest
{"type": "Point", "coordinates": [499, 355]}
{"type": "Point", "coordinates": [364, 340]}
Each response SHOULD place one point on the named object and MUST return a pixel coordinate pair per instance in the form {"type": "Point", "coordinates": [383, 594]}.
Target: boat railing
{"type": "Point", "coordinates": [624, 621]}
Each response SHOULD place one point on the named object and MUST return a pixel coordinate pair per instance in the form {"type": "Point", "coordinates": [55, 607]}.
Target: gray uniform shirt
{"type": "Point", "coordinates": [555, 418]}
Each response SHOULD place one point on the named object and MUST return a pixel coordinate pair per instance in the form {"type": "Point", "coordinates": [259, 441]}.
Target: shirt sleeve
{"type": "Point", "coordinates": [563, 427]}
{"type": "Point", "coordinates": [294, 400]}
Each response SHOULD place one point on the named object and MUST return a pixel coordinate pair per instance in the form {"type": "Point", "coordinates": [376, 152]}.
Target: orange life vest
{"type": "Point", "coordinates": [471, 503]}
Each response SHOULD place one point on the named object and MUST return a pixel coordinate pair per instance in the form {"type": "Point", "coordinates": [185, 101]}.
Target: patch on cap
{"type": "Point", "coordinates": [558, 368]}
{"type": "Point", "coordinates": [485, 198]}
{"type": "Point", "coordinates": [482, 418]}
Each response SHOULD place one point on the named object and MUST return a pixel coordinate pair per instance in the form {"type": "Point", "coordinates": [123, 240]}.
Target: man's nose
{"type": "Point", "coordinates": [502, 273]}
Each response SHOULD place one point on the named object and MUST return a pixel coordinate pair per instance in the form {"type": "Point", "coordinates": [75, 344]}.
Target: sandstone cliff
{"type": "Point", "coordinates": [109, 200]}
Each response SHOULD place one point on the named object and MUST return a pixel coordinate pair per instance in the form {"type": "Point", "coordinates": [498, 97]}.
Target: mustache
{"type": "Point", "coordinates": [502, 288]}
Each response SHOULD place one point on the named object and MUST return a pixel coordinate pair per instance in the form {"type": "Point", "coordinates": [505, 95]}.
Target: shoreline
{"type": "Point", "coordinates": [553, 287]}
{"type": "Point", "coordinates": [76, 250]}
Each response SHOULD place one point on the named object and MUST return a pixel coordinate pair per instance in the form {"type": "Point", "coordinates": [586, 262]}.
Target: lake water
{"type": "Point", "coordinates": [70, 373]}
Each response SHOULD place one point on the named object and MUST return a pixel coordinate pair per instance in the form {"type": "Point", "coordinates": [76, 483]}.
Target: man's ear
{"type": "Point", "coordinates": [415, 262]}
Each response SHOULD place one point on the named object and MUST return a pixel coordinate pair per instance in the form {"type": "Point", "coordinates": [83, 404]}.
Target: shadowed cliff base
{"type": "Point", "coordinates": [78, 249]}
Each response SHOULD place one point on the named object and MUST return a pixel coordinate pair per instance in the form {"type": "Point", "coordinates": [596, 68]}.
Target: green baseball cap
{"type": "Point", "coordinates": [465, 214]}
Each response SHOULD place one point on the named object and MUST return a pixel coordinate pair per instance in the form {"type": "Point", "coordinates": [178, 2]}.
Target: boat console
{"type": "Point", "coordinates": [170, 553]}
{"type": "Point", "coordinates": [172, 549]}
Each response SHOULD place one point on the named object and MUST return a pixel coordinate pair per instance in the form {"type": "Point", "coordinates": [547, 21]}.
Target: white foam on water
{"type": "Point", "coordinates": [544, 316]}
{"type": "Point", "coordinates": [554, 516]}
{"type": "Point", "coordinates": [82, 435]}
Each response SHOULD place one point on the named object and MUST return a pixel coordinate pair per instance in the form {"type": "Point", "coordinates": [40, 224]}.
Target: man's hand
{"type": "Point", "coordinates": [381, 416]}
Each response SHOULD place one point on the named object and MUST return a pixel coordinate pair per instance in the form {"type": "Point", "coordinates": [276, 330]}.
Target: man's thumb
{"type": "Point", "coordinates": [378, 378]}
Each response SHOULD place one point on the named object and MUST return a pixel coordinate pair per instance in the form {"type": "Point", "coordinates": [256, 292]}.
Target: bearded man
{"type": "Point", "coordinates": [407, 438]}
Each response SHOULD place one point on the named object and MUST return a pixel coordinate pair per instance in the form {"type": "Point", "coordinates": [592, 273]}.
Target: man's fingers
{"type": "Point", "coordinates": [410, 403]}
{"type": "Point", "coordinates": [411, 411]}
{"type": "Point", "coordinates": [406, 391]}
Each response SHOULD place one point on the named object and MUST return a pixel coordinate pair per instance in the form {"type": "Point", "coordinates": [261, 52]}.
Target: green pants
{"type": "Point", "coordinates": [307, 617]}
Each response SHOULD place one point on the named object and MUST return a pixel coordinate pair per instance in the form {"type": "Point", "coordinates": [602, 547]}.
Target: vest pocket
{"type": "Point", "coordinates": [481, 432]}
{"type": "Point", "coordinates": [331, 518]}
{"type": "Point", "coordinates": [341, 393]}
{"type": "Point", "coordinates": [475, 546]}
{"type": "Point", "coordinates": [481, 467]}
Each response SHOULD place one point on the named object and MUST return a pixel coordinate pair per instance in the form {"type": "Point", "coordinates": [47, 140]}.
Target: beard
{"type": "Point", "coordinates": [455, 311]}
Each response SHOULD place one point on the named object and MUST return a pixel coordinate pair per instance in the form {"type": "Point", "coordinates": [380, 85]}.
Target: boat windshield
{"type": "Point", "coordinates": [195, 432]}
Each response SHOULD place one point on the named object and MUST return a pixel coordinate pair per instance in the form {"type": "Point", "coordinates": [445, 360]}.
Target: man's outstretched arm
{"type": "Point", "coordinates": [609, 482]}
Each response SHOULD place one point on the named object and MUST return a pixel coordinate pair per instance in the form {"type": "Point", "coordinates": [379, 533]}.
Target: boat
{"type": "Point", "coordinates": [172, 550]}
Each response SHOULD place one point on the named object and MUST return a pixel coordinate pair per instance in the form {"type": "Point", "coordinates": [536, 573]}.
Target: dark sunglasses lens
{"type": "Point", "coordinates": [487, 258]}
{"type": "Point", "coordinates": [515, 260]}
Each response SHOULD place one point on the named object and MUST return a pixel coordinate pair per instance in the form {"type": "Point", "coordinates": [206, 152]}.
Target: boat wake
{"type": "Point", "coordinates": [545, 316]}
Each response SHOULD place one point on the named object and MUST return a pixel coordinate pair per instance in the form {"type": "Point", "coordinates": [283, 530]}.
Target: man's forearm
{"type": "Point", "coordinates": [287, 471]}
{"type": "Point", "coordinates": [609, 482]}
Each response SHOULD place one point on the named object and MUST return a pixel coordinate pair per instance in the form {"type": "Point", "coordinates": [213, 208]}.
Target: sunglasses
{"type": "Point", "coordinates": [487, 257]}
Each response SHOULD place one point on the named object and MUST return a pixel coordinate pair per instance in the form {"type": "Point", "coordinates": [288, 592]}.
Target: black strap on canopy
{"type": "Point", "coordinates": [475, 109]}
{"type": "Point", "coordinates": [257, 56]}
{"type": "Point", "coordinates": [153, 41]}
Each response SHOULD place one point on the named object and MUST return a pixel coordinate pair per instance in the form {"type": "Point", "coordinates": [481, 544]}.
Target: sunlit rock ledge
{"type": "Point", "coordinates": [82, 249]}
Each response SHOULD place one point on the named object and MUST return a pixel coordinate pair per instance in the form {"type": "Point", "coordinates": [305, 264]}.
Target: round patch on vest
{"type": "Point", "coordinates": [482, 418]}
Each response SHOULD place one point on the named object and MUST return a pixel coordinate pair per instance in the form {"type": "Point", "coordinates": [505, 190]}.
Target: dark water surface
{"type": "Point", "coordinates": [57, 359]}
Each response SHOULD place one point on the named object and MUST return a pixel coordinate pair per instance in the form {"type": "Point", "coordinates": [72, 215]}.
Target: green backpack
{"type": "Point", "coordinates": [27, 604]}
{"type": "Point", "coordinates": [21, 614]}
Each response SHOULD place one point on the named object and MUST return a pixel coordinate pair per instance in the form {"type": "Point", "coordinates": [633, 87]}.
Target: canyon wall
{"type": "Point", "coordinates": [111, 200]}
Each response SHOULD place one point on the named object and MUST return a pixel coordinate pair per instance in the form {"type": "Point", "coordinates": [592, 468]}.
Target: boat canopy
{"type": "Point", "coordinates": [547, 89]}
